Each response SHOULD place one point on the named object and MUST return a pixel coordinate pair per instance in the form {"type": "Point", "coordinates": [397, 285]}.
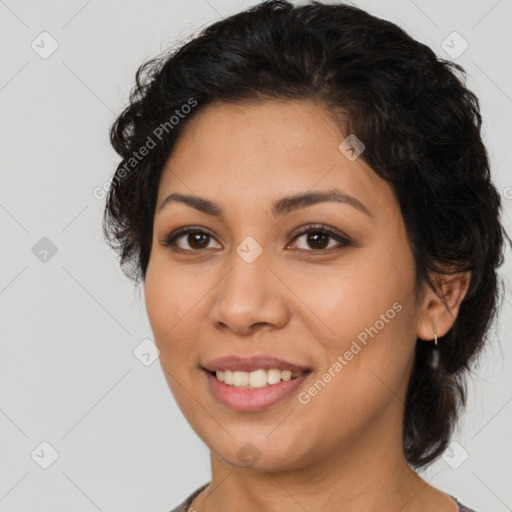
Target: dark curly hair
{"type": "Point", "coordinates": [421, 128]}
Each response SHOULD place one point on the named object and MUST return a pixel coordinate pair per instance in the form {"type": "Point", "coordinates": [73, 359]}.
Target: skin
{"type": "Point", "coordinates": [343, 450]}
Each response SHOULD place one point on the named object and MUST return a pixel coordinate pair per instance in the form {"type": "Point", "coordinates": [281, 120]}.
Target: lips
{"type": "Point", "coordinates": [253, 363]}
{"type": "Point", "coordinates": [253, 400]}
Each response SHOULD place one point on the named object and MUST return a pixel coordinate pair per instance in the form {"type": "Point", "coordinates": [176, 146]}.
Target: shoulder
{"type": "Point", "coordinates": [186, 504]}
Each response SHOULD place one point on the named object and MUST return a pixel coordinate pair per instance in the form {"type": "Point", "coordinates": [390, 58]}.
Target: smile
{"type": "Point", "coordinates": [256, 379]}
{"type": "Point", "coordinates": [245, 398]}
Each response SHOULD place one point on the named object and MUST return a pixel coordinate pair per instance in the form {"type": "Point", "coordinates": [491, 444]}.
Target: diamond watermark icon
{"type": "Point", "coordinates": [44, 250]}
{"type": "Point", "coordinates": [454, 45]}
{"type": "Point", "coordinates": [455, 455]}
{"type": "Point", "coordinates": [249, 249]}
{"type": "Point", "coordinates": [249, 455]}
{"type": "Point", "coordinates": [44, 45]}
{"type": "Point", "coordinates": [351, 147]}
{"type": "Point", "coordinates": [44, 455]}
{"type": "Point", "coordinates": [146, 352]}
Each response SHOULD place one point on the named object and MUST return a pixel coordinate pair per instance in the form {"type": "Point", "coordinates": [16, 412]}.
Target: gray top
{"type": "Point", "coordinates": [186, 504]}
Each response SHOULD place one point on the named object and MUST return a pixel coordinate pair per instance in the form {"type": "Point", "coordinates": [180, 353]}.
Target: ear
{"type": "Point", "coordinates": [439, 309]}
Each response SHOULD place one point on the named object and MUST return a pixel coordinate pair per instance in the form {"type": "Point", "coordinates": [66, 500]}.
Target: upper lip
{"type": "Point", "coordinates": [250, 364]}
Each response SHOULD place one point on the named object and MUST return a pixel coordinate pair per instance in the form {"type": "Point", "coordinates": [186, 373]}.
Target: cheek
{"type": "Point", "coordinates": [347, 298]}
{"type": "Point", "coordinates": [167, 302]}
{"type": "Point", "coordinates": [169, 293]}
{"type": "Point", "coordinates": [364, 372]}
{"type": "Point", "coordinates": [370, 313]}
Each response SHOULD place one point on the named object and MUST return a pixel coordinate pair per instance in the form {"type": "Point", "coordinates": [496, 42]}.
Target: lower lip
{"type": "Point", "coordinates": [252, 399]}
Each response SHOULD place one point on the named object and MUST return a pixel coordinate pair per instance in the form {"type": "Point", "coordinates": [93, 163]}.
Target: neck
{"type": "Point", "coordinates": [365, 474]}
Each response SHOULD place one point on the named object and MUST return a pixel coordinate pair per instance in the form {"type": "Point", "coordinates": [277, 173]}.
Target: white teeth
{"type": "Point", "coordinates": [273, 376]}
{"type": "Point", "coordinates": [240, 379]}
{"type": "Point", "coordinates": [255, 379]}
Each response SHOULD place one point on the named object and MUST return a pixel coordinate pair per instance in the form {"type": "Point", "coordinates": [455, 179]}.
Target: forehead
{"type": "Point", "coordinates": [284, 128]}
{"type": "Point", "coordinates": [248, 151]}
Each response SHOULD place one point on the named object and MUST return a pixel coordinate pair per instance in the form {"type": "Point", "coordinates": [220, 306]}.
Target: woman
{"type": "Point", "coordinates": [306, 198]}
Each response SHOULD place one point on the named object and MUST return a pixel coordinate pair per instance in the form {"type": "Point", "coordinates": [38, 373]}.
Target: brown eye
{"type": "Point", "coordinates": [318, 238]}
{"type": "Point", "coordinates": [195, 240]}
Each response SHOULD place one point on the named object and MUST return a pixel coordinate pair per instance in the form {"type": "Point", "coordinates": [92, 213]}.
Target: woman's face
{"type": "Point", "coordinates": [246, 285]}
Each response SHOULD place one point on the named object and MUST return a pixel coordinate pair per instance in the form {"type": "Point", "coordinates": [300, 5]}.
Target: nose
{"type": "Point", "coordinates": [250, 295]}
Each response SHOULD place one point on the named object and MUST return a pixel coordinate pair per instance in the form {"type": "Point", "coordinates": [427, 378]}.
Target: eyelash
{"type": "Point", "coordinates": [170, 241]}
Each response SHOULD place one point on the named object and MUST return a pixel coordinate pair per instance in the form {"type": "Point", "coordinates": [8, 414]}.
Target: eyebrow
{"type": "Point", "coordinates": [280, 207]}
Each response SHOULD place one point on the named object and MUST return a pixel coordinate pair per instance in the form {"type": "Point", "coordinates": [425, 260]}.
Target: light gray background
{"type": "Point", "coordinates": [68, 374]}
